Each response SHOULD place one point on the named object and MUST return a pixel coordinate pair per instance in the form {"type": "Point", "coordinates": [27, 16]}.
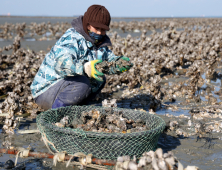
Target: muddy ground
{"type": "Point", "coordinates": [204, 153]}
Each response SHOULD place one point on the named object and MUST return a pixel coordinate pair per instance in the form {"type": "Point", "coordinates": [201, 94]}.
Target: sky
{"type": "Point", "coordinates": [117, 8]}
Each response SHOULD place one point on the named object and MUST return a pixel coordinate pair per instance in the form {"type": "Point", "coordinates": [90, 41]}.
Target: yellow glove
{"type": "Point", "coordinates": [91, 71]}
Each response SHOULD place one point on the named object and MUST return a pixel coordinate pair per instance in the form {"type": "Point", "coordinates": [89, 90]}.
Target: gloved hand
{"type": "Point", "coordinates": [125, 67]}
{"type": "Point", "coordinates": [91, 71]}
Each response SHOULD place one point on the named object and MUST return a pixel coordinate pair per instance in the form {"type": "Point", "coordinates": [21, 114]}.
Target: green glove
{"type": "Point", "coordinates": [125, 67]}
{"type": "Point", "coordinates": [91, 71]}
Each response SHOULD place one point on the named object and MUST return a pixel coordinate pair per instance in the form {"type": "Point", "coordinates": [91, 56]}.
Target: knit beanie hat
{"type": "Point", "coordinates": [97, 16]}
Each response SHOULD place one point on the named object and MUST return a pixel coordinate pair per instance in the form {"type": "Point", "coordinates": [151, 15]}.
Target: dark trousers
{"type": "Point", "coordinates": [74, 90]}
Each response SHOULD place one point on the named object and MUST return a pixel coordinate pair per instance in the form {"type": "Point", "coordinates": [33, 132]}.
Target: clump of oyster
{"type": "Point", "coordinates": [109, 103]}
{"type": "Point", "coordinates": [106, 67]}
{"type": "Point", "coordinates": [15, 84]}
{"type": "Point", "coordinates": [151, 160]}
{"type": "Point", "coordinates": [111, 122]}
{"type": "Point", "coordinates": [201, 124]}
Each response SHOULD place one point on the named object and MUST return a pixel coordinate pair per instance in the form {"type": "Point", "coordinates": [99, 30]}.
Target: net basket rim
{"type": "Point", "coordinates": [90, 134]}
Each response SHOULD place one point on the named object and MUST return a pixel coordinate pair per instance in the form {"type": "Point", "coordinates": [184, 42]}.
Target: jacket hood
{"type": "Point", "coordinates": [77, 25]}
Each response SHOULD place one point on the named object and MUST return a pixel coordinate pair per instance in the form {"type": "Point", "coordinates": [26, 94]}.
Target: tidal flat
{"type": "Point", "coordinates": [176, 74]}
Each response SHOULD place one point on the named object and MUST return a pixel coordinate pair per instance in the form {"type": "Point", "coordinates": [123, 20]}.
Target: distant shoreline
{"type": "Point", "coordinates": [61, 17]}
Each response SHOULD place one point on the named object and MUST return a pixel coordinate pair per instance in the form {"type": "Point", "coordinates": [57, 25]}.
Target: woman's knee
{"type": "Point", "coordinates": [75, 92]}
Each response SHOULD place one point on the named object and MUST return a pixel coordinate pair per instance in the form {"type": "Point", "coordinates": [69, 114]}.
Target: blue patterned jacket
{"type": "Point", "coordinates": [68, 56]}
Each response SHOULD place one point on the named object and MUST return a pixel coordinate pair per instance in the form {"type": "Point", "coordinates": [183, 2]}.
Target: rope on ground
{"type": "Point", "coordinates": [58, 157]}
{"type": "Point", "coordinates": [100, 167]}
{"type": "Point", "coordinates": [84, 161]}
{"type": "Point", "coordinates": [176, 107]}
{"type": "Point", "coordinates": [22, 153]}
{"type": "Point", "coordinates": [68, 163]}
{"type": "Point", "coordinates": [46, 141]}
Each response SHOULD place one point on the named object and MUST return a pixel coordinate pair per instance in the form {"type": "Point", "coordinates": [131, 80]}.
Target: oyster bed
{"type": "Point", "coordinates": [176, 66]}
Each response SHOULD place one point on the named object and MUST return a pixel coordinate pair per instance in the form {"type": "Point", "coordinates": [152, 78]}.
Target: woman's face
{"type": "Point", "coordinates": [96, 30]}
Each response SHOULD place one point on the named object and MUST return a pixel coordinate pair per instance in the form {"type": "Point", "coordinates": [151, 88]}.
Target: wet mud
{"type": "Point", "coordinates": [204, 152]}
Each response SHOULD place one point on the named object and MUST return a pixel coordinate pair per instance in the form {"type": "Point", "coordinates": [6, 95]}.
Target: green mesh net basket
{"type": "Point", "coordinates": [100, 144]}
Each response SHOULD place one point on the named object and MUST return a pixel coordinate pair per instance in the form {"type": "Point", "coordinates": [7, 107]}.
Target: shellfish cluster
{"type": "Point", "coordinates": [196, 125]}
{"type": "Point", "coordinates": [163, 24]}
{"type": "Point", "coordinates": [110, 122]}
{"type": "Point", "coordinates": [107, 103]}
{"type": "Point", "coordinates": [38, 31]}
{"type": "Point", "coordinates": [105, 67]}
{"type": "Point", "coordinates": [17, 73]}
{"type": "Point", "coordinates": [153, 161]}
{"type": "Point", "coordinates": [167, 52]}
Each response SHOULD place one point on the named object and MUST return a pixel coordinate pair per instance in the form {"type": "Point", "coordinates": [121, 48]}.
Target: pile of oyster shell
{"type": "Point", "coordinates": [153, 161]}
{"type": "Point", "coordinates": [38, 31]}
{"type": "Point", "coordinates": [200, 124]}
{"type": "Point", "coordinates": [169, 54]}
{"type": "Point", "coordinates": [110, 122]}
{"type": "Point", "coordinates": [17, 73]}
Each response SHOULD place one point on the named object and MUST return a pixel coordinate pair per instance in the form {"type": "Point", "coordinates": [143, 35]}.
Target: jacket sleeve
{"type": "Point", "coordinates": [68, 62]}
